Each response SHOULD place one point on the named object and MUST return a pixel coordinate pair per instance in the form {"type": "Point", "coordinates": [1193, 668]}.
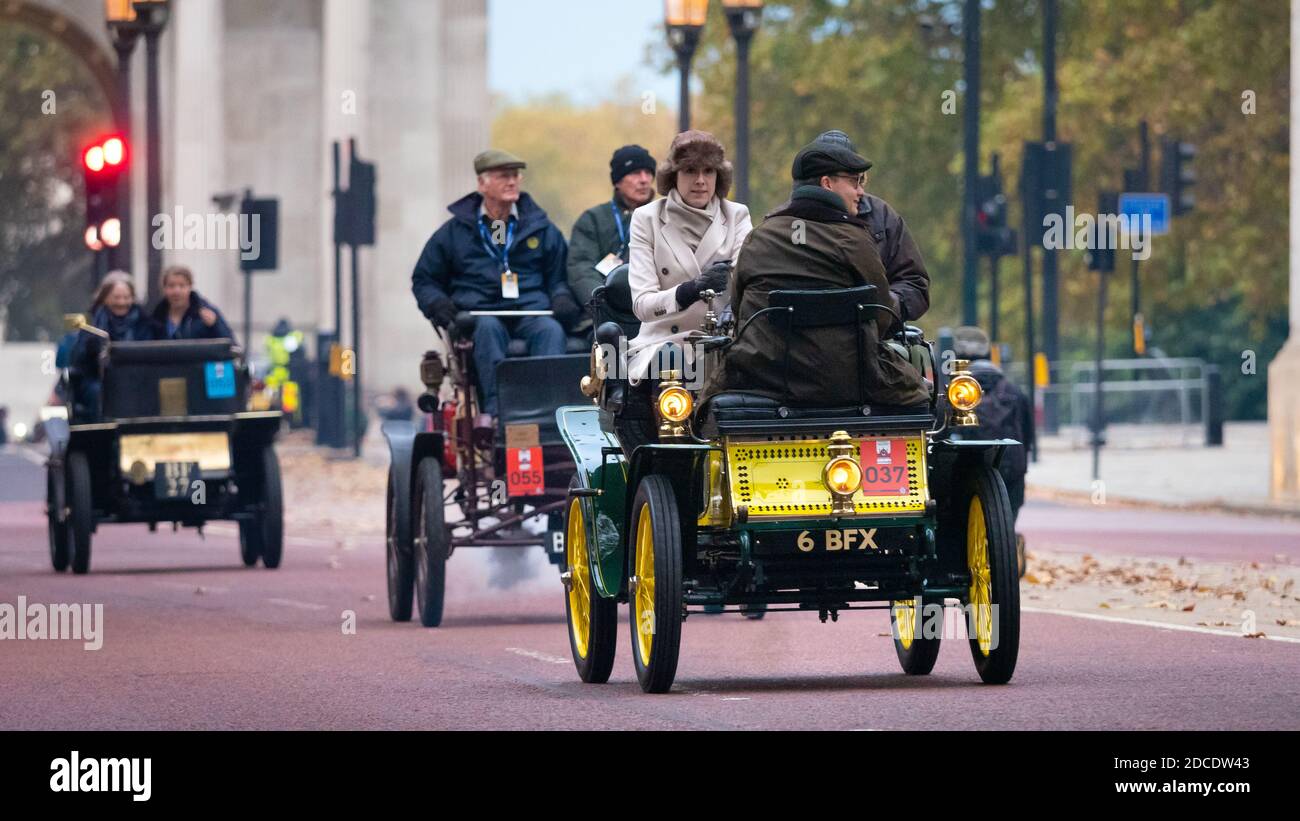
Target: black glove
{"type": "Point", "coordinates": [443, 312]}
{"type": "Point", "coordinates": [566, 310]}
{"type": "Point", "coordinates": [713, 279]}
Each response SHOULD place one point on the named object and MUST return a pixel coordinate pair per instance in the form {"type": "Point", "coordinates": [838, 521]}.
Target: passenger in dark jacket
{"type": "Point", "coordinates": [183, 314]}
{"type": "Point", "coordinates": [498, 252]}
{"type": "Point", "coordinates": [909, 282]}
{"type": "Point", "coordinates": [832, 250]}
{"type": "Point", "coordinates": [114, 310]}
{"type": "Point", "coordinates": [599, 241]}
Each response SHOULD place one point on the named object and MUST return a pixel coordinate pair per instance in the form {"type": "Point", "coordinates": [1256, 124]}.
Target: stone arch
{"type": "Point", "coordinates": [68, 30]}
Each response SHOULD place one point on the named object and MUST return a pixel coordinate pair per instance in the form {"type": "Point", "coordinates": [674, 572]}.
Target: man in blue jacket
{"type": "Point", "coordinates": [498, 252]}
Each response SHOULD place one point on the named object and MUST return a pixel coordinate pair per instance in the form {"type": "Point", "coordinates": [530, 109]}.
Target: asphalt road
{"type": "Point", "coordinates": [191, 639]}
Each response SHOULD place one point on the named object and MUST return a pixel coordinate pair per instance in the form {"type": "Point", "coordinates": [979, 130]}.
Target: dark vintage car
{"type": "Point", "coordinates": [165, 439]}
{"type": "Point", "coordinates": [748, 502]}
{"type": "Point", "coordinates": [452, 487]}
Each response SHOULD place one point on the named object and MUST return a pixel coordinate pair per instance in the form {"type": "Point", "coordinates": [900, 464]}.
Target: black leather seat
{"type": "Point", "coordinates": [612, 302]}
{"type": "Point", "coordinates": [741, 412]}
{"type": "Point", "coordinates": [190, 377]}
{"type": "Point", "coordinates": [529, 390]}
{"type": "Point", "coordinates": [171, 351]}
{"type": "Point", "coordinates": [572, 344]}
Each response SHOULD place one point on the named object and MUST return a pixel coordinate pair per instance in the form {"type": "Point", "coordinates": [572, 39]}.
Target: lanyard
{"type": "Point", "coordinates": [504, 256]}
{"type": "Point", "coordinates": [618, 222]}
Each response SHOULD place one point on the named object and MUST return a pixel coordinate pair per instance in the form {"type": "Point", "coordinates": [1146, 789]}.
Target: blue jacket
{"type": "Point", "coordinates": [455, 262]}
{"type": "Point", "coordinates": [191, 325]}
{"type": "Point", "coordinates": [134, 327]}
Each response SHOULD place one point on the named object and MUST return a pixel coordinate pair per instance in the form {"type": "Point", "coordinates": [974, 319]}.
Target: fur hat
{"type": "Point", "coordinates": [694, 149]}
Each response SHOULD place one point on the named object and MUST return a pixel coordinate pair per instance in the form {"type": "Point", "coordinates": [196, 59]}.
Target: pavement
{"type": "Point", "coordinates": [1162, 467]}
{"type": "Point", "coordinates": [193, 640]}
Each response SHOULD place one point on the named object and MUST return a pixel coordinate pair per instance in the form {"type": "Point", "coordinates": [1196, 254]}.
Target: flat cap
{"type": "Point", "coordinates": [820, 158]}
{"type": "Point", "coordinates": [496, 158]}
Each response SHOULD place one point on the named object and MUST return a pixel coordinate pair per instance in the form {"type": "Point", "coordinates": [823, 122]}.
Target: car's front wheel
{"type": "Point", "coordinates": [400, 562]}
{"type": "Point", "coordinates": [56, 504]}
{"type": "Point", "coordinates": [656, 584]}
{"type": "Point", "coordinates": [592, 618]}
{"type": "Point", "coordinates": [915, 641]}
{"type": "Point", "coordinates": [993, 600]}
{"type": "Point", "coordinates": [81, 518]}
{"type": "Point", "coordinates": [431, 542]}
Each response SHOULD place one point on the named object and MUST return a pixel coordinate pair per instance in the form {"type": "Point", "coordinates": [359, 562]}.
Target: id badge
{"type": "Point", "coordinates": [609, 263]}
{"type": "Point", "coordinates": [509, 285]}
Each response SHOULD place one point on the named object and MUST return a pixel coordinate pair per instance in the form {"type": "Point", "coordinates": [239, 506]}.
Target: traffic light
{"type": "Point", "coordinates": [102, 164]}
{"type": "Point", "coordinates": [1177, 175]}
{"type": "Point", "coordinates": [1045, 185]}
{"type": "Point", "coordinates": [1103, 259]}
{"type": "Point", "coordinates": [992, 236]}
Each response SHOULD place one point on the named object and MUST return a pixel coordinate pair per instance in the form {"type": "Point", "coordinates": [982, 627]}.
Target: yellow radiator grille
{"type": "Point", "coordinates": [784, 477]}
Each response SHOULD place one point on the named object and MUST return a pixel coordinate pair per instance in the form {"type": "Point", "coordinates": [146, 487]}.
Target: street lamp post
{"type": "Point", "coordinates": [743, 17]}
{"type": "Point", "coordinates": [684, 20]}
{"type": "Point", "coordinates": [124, 31]}
{"type": "Point", "coordinates": [152, 17]}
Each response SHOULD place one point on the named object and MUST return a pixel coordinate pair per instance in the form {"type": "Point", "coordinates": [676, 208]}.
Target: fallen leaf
{"type": "Point", "coordinates": [1187, 608]}
{"type": "Point", "coordinates": [1258, 635]}
{"type": "Point", "coordinates": [1289, 622]}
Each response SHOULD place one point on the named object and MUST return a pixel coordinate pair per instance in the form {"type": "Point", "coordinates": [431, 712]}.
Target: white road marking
{"type": "Point", "coordinates": [30, 454]}
{"type": "Point", "coordinates": [1186, 628]}
{"type": "Point", "coordinates": [735, 698]}
{"type": "Point", "coordinates": [192, 587]}
{"type": "Point", "coordinates": [537, 655]}
{"type": "Point", "coordinates": [301, 605]}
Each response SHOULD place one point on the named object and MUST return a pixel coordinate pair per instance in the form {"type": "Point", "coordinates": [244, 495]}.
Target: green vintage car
{"type": "Point", "coordinates": [752, 503]}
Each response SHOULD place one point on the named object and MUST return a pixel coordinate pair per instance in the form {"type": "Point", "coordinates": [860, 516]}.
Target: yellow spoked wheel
{"type": "Point", "coordinates": [656, 584]}
{"type": "Point", "coordinates": [592, 618]}
{"type": "Point", "coordinates": [916, 652]}
{"type": "Point", "coordinates": [993, 599]}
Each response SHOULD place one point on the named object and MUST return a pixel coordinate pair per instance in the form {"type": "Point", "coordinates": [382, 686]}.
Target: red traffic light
{"type": "Point", "coordinates": [108, 154]}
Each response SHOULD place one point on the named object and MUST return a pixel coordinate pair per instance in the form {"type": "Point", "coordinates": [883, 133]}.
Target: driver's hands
{"type": "Point", "coordinates": [566, 310]}
{"type": "Point", "coordinates": [443, 312]}
{"type": "Point", "coordinates": [208, 316]}
{"type": "Point", "coordinates": [713, 279]}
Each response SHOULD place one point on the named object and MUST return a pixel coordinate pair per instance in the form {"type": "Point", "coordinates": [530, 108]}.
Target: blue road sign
{"type": "Point", "coordinates": [1157, 205]}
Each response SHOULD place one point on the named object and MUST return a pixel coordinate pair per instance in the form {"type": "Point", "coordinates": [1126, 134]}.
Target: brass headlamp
{"type": "Point", "coordinates": [842, 474]}
{"type": "Point", "coordinates": [674, 406]}
{"type": "Point", "coordinates": [964, 394]}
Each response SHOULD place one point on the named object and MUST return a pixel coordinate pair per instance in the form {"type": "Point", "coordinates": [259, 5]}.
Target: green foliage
{"type": "Point", "coordinates": [872, 69]}
{"type": "Point", "coordinates": [44, 266]}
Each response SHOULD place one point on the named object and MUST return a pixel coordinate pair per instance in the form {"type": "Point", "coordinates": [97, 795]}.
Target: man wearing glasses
{"type": "Point", "coordinates": [816, 241]}
{"type": "Point", "coordinates": [498, 252]}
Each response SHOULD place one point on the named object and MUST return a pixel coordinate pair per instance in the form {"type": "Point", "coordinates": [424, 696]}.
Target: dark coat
{"type": "Point", "coordinates": [191, 325]}
{"type": "Point", "coordinates": [595, 235]}
{"type": "Point", "coordinates": [1004, 412]}
{"type": "Point", "coordinates": [909, 282]}
{"type": "Point", "coordinates": [456, 264]}
{"type": "Point", "coordinates": [836, 251]}
{"type": "Point", "coordinates": [136, 326]}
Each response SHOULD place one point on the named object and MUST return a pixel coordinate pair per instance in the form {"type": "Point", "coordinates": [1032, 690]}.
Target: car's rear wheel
{"type": "Point", "coordinates": [81, 515]}
{"type": "Point", "coordinates": [916, 651]}
{"type": "Point", "coordinates": [250, 542]}
{"type": "Point", "coordinates": [401, 563]}
{"type": "Point", "coordinates": [431, 541]}
{"type": "Point", "coordinates": [56, 501]}
{"type": "Point", "coordinates": [270, 521]}
{"type": "Point", "coordinates": [993, 614]}
{"type": "Point", "coordinates": [656, 621]}
{"type": "Point", "coordinates": [592, 618]}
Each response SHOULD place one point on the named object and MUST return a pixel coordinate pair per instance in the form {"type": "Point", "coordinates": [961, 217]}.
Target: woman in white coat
{"type": "Point", "coordinates": [681, 245]}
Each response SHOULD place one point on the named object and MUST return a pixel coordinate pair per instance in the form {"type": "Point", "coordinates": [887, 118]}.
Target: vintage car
{"type": "Point", "coordinates": [164, 439]}
{"type": "Point", "coordinates": [746, 500]}
{"type": "Point", "coordinates": [450, 486]}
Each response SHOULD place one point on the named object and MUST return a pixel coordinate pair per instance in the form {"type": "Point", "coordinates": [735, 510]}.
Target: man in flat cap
{"type": "Point", "coordinates": [599, 242]}
{"type": "Point", "coordinates": [498, 252]}
{"type": "Point", "coordinates": [817, 241]}
{"type": "Point", "coordinates": [909, 282]}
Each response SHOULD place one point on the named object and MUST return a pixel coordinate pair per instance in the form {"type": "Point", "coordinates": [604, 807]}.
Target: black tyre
{"type": "Point", "coordinates": [994, 594]}
{"type": "Point", "coordinates": [56, 499]}
{"type": "Point", "coordinates": [401, 564]}
{"type": "Point", "coordinates": [656, 585]}
{"type": "Point", "coordinates": [431, 542]}
{"type": "Point", "coordinates": [592, 618]}
{"type": "Point", "coordinates": [81, 516]}
{"type": "Point", "coordinates": [270, 521]}
{"type": "Point", "coordinates": [917, 652]}
{"type": "Point", "coordinates": [250, 542]}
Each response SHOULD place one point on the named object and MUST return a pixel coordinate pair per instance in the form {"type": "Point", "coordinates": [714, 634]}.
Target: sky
{"type": "Point", "coordinates": [578, 47]}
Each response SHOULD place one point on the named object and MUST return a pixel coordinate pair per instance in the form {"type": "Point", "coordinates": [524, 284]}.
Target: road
{"type": "Point", "coordinates": [191, 639]}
